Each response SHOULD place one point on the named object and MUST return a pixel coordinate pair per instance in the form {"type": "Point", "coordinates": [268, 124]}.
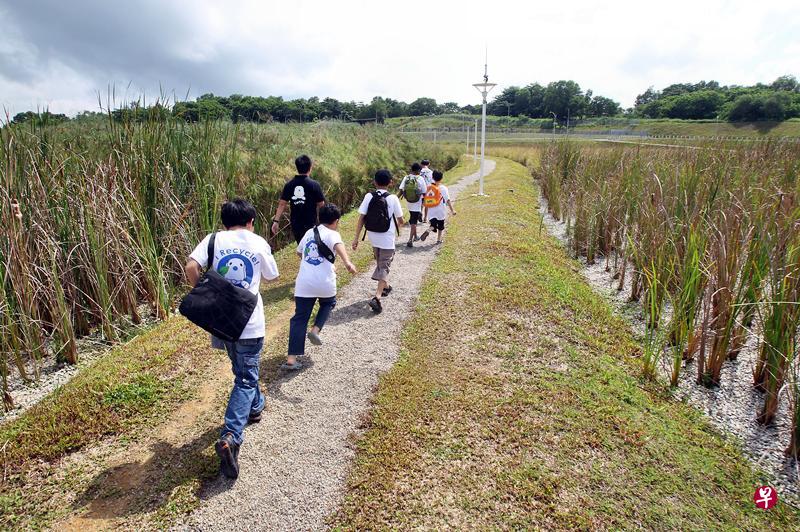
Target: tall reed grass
{"type": "Point", "coordinates": [97, 218]}
{"type": "Point", "coordinates": [713, 233]}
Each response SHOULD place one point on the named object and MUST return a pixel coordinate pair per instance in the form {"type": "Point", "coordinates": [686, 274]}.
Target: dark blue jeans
{"type": "Point", "coordinates": [246, 398]}
{"type": "Point", "coordinates": [303, 306]}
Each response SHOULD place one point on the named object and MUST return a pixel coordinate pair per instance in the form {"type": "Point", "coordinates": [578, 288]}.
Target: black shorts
{"type": "Point", "coordinates": [437, 224]}
{"type": "Point", "coordinates": [415, 218]}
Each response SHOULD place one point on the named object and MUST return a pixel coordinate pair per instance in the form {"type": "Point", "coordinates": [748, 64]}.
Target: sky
{"type": "Point", "coordinates": [69, 56]}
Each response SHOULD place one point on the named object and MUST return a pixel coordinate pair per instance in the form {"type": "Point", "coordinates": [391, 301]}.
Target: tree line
{"type": "Point", "coordinates": [560, 100]}
{"type": "Point", "coordinates": [565, 99]}
{"type": "Point", "coordinates": [777, 101]}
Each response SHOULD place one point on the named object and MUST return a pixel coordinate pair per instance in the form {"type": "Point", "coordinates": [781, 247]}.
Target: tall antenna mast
{"type": "Point", "coordinates": [484, 89]}
{"type": "Point", "coordinates": [486, 65]}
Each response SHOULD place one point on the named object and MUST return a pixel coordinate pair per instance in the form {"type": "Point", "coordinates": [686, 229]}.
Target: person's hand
{"type": "Point", "coordinates": [355, 244]}
{"type": "Point", "coordinates": [275, 228]}
{"type": "Point", "coordinates": [350, 267]}
{"type": "Point", "coordinates": [454, 213]}
{"type": "Point", "coordinates": [15, 211]}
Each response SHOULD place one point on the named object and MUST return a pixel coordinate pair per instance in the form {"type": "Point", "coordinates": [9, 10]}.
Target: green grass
{"type": "Point", "coordinates": [136, 384]}
{"type": "Point", "coordinates": [788, 128]}
{"type": "Point", "coordinates": [526, 412]}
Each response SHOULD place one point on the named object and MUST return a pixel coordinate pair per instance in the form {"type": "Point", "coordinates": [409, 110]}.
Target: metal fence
{"type": "Point", "coordinates": [537, 134]}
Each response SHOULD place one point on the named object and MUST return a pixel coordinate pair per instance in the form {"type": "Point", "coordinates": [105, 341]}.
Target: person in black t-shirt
{"type": "Point", "coordinates": [304, 195]}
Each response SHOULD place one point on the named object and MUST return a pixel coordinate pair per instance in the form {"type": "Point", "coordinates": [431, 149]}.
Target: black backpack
{"type": "Point", "coordinates": [216, 305]}
{"type": "Point", "coordinates": [377, 218]}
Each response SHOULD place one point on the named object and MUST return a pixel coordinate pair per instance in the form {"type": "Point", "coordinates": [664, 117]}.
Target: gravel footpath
{"type": "Point", "coordinates": [294, 464]}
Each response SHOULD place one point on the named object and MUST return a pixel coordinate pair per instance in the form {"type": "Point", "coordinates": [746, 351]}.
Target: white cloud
{"type": "Point", "coordinates": [357, 49]}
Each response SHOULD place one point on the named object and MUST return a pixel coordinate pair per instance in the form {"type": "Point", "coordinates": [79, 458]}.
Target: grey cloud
{"type": "Point", "coordinates": [111, 42]}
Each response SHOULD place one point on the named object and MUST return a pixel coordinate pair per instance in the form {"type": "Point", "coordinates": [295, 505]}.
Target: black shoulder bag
{"type": "Point", "coordinates": [324, 250]}
{"type": "Point", "coordinates": [216, 305]}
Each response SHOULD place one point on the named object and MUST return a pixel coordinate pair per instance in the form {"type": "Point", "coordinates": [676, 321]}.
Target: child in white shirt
{"type": "Point", "coordinates": [412, 188]}
{"type": "Point", "coordinates": [316, 281]}
{"type": "Point", "coordinates": [384, 207]}
{"type": "Point", "coordinates": [436, 197]}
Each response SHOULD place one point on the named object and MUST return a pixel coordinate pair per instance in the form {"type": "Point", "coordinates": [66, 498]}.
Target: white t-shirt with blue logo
{"type": "Point", "coordinates": [243, 258]}
{"type": "Point", "coordinates": [317, 276]}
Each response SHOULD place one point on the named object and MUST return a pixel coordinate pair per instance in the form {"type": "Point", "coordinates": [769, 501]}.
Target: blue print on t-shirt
{"type": "Point", "coordinates": [311, 253]}
{"type": "Point", "coordinates": [237, 269]}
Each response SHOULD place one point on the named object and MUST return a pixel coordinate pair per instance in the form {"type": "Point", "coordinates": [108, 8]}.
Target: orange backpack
{"type": "Point", "coordinates": [433, 196]}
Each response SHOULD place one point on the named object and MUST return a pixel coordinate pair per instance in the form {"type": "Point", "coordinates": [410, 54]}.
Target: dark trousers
{"type": "Point", "coordinates": [299, 232]}
{"type": "Point", "coordinates": [303, 306]}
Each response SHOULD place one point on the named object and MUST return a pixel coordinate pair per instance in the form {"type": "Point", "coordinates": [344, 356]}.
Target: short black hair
{"type": "Point", "coordinates": [383, 177]}
{"type": "Point", "coordinates": [303, 164]}
{"type": "Point", "coordinates": [425, 162]}
{"type": "Point", "coordinates": [329, 213]}
{"type": "Point", "coordinates": [437, 175]}
{"type": "Point", "coordinates": [416, 167]}
{"type": "Point", "coordinates": [237, 212]}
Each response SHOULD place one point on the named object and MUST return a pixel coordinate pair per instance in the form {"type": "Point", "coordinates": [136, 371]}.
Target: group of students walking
{"type": "Point", "coordinates": [243, 258]}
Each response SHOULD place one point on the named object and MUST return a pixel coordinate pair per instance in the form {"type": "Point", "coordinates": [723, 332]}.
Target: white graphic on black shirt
{"type": "Point", "coordinates": [299, 197]}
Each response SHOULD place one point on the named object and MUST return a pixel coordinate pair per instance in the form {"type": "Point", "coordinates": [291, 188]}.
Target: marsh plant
{"type": "Point", "coordinates": [98, 216]}
{"type": "Point", "coordinates": [711, 232]}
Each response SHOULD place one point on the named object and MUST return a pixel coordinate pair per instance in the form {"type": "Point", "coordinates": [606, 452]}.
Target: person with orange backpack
{"type": "Point", "coordinates": [435, 199]}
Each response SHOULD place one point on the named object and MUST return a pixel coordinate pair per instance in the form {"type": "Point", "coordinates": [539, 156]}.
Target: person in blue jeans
{"type": "Point", "coordinates": [316, 281]}
{"type": "Point", "coordinates": [243, 258]}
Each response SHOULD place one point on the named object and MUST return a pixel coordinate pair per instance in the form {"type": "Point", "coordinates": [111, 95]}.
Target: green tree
{"type": "Point", "coordinates": [786, 83]}
{"type": "Point", "coordinates": [422, 107]}
{"type": "Point", "coordinates": [602, 106]}
{"type": "Point", "coordinates": [563, 98]}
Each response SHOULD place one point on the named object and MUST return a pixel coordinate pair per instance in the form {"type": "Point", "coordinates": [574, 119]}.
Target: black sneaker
{"type": "Point", "coordinates": [424, 236]}
{"type": "Point", "coordinates": [409, 244]}
{"type": "Point", "coordinates": [255, 418]}
{"type": "Point", "coordinates": [228, 453]}
{"type": "Point", "coordinates": [386, 291]}
{"type": "Point", "coordinates": [375, 305]}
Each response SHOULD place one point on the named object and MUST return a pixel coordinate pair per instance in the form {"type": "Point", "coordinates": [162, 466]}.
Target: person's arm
{"type": "Point", "coordinates": [193, 272]}
{"type": "Point", "coordinates": [359, 227]}
{"type": "Point", "coordinates": [282, 203]}
{"type": "Point", "coordinates": [269, 268]}
{"type": "Point", "coordinates": [450, 205]}
{"type": "Point", "coordinates": [340, 250]}
{"type": "Point", "coordinates": [320, 197]}
{"type": "Point", "coordinates": [401, 221]}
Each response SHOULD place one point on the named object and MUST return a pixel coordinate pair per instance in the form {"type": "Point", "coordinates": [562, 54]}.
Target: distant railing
{"type": "Point", "coordinates": [449, 134]}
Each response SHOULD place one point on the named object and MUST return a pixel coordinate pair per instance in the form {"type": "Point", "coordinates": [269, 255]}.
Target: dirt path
{"type": "Point", "coordinates": [132, 471]}
{"type": "Point", "coordinates": [295, 462]}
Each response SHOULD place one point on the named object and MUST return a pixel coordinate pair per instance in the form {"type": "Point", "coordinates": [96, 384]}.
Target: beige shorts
{"type": "Point", "coordinates": [383, 259]}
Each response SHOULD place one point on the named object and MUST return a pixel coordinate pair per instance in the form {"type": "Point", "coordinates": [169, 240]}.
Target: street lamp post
{"type": "Point", "coordinates": [484, 89]}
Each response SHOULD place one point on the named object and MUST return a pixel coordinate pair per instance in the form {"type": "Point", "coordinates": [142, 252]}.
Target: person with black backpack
{"type": "Point", "coordinates": [237, 260]}
{"type": "Point", "coordinates": [412, 188]}
{"type": "Point", "coordinates": [316, 281]}
{"type": "Point", "coordinates": [381, 215]}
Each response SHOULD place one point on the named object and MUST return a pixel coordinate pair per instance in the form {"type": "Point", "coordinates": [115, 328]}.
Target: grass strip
{"type": "Point", "coordinates": [527, 412]}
